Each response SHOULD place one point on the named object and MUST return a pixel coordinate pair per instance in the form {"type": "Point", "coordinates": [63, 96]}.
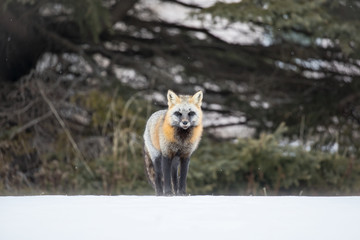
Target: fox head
{"type": "Point", "coordinates": [184, 111]}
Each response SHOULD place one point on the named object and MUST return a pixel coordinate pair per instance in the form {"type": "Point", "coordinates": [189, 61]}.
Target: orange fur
{"type": "Point", "coordinates": [168, 130]}
{"type": "Point", "coordinates": [155, 137]}
{"type": "Point", "coordinates": [196, 133]}
{"type": "Point", "coordinates": [191, 100]}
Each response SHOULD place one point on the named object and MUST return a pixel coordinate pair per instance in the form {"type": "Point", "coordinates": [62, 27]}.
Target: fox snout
{"type": "Point", "coordinates": [185, 124]}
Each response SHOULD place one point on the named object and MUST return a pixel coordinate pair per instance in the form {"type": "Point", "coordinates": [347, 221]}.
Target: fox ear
{"type": "Point", "coordinates": [197, 98]}
{"type": "Point", "coordinates": [172, 98]}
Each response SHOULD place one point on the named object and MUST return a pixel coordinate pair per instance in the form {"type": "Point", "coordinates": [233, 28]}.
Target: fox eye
{"type": "Point", "coordinates": [178, 114]}
{"type": "Point", "coordinates": [192, 114]}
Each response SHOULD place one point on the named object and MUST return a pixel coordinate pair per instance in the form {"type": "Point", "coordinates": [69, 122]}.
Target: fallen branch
{"type": "Point", "coordinates": [29, 124]}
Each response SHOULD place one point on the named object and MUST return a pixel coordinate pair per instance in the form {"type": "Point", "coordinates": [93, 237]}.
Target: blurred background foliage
{"type": "Point", "coordinates": [267, 166]}
{"type": "Point", "coordinates": [80, 78]}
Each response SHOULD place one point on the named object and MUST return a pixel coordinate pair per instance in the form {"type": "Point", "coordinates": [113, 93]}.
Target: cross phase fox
{"type": "Point", "coordinates": [170, 137]}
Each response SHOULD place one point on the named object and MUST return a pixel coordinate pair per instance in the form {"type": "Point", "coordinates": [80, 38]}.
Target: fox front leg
{"type": "Point", "coordinates": [174, 174]}
{"type": "Point", "coordinates": [184, 166]}
{"type": "Point", "coordinates": [166, 167]}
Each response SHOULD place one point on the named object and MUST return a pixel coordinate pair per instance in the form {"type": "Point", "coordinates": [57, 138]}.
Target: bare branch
{"type": "Point", "coordinates": [185, 4]}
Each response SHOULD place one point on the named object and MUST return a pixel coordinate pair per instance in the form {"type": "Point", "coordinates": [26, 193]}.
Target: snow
{"type": "Point", "coordinates": [193, 217]}
{"type": "Point", "coordinates": [237, 33]}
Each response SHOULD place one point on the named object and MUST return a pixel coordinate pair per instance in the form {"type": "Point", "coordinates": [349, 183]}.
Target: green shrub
{"type": "Point", "coordinates": [268, 166]}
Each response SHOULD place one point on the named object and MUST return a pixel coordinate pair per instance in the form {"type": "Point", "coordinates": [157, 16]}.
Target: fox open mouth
{"type": "Point", "coordinates": [183, 126]}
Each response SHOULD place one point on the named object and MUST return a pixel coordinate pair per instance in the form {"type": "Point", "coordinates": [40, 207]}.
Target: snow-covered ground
{"type": "Point", "coordinates": [194, 217]}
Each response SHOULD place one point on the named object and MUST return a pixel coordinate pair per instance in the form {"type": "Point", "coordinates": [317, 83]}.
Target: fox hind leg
{"type": "Point", "coordinates": [158, 176]}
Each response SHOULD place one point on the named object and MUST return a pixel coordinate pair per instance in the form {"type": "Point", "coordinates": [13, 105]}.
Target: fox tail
{"type": "Point", "coordinates": [149, 168]}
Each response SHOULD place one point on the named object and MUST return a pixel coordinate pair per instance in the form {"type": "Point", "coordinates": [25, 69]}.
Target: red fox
{"type": "Point", "coordinates": [170, 137]}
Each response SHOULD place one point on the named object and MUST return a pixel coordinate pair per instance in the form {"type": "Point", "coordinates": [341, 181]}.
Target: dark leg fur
{"type": "Point", "coordinates": [166, 167]}
{"type": "Point", "coordinates": [184, 166]}
{"type": "Point", "coordinates": [158, 176]}
{"type": "Point", "coordinates": [174, 174]}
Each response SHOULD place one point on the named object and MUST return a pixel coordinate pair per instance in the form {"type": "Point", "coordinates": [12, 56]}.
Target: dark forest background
{"type": "Point", "coordinates": [78, 79]}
